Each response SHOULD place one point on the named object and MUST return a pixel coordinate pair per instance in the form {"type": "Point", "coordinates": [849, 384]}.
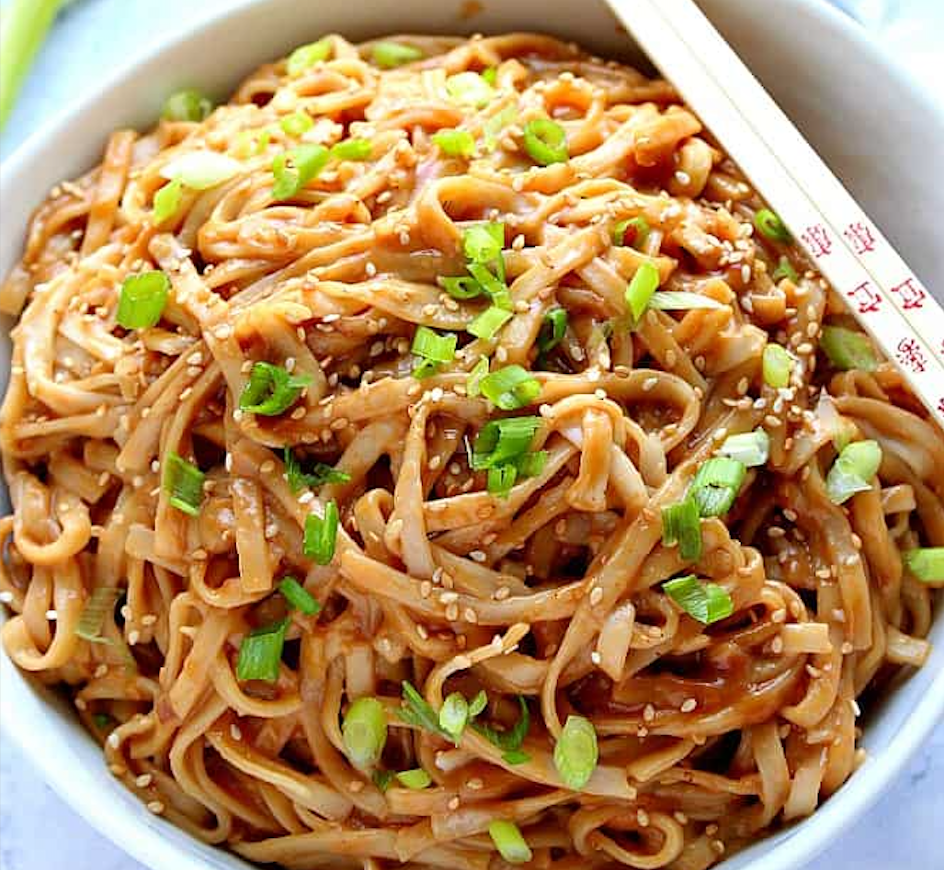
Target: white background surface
{"type": "Point", "coordinates": [39, 832]}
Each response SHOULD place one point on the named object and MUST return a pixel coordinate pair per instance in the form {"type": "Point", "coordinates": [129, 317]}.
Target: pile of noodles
{"type": "Point", "coordinates": [708, 735]}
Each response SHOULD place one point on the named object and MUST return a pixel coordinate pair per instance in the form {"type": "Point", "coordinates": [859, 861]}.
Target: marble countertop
{"type": "Point", "coordinates": [39, 832]}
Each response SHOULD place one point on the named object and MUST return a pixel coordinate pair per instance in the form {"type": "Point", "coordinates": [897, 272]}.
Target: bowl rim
{"type": "Point", "coordinates": [157, 843]}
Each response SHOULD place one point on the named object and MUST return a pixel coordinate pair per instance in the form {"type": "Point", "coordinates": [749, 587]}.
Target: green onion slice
{"type": "Point", "coordinates": [706, 602]}
{"type": "Point", "coordinates": [495, 287]}
{"type": "Point", "coordinates": [473, 382]}
{"type": "Point", "coordinates": [501, 478]}
{"type": "Point", "coordinates": [510, 741]}
{"type": "Point", "coordinates": [502, 440]}
{"type": "Point", "coordinates": [681, 524]}
{"type": "Point", "coordinates": [321, 534]}
{"type": "Point", "coordinates": [553, 328]}
{"type": "Point", "coordinates": [490, 75]}
{"type": "Point", "coordinates": [770, 225]}
{"type": "Point", "coordinates": [271, 390]}
{"type": "Point", "coordinates": [292, 170]}
{"type": "Point", "coordinates": [531, 464]}
{"type": "Point", "coordinates": [784, 270]}
{"type": "Point", "coordinates": [545, 141]}
{"type": "Point", "coordinates": [926, 563]}
{"type": "Point", "coordinates": [478, 704]}
{"type": "Point", "coordinates": [853, 470]}
{"type": "Point", "coordinates": [469, 89]}
{"type": "Point", "coordinates": [847, 349]}
{"type": "Point", "coordinates": [454, 716]}
{"type": "Point", "coordinates": [416, 779]}
{"type": "Point", "coordinates": [576, 754]}
{"type": "Point", "coordinates": [777, 366]}
{"type": "Point", "coordinates": [364, 731]}
{"type": "Point", "coordinates": [382, 779]}
{"type": "Point", "coordinates": [483, 243]}
{"type": "Point", "coordinates": [508, 840]}
{"type": "Point", "coordinates": [306, 56]}
{"type": "Point", "coordinates": [142, 299]}
{"type": "Point", "coordinates": [167, 201]}
{"type": "Point", "coordinates": [352, 149]}
{"type": "Point", "coordinates": [681, 300]}
{"type": "Point", "coordinates": [642, 288]}
{"type": "Point", "coordinates": [296, 124]}
{"type": "Point", "coordinates": [201, 170]}
{"type": "Point", "coordinates": [632, 231]}
{"type": "Point", "coordinates": [388, 55]}
{"type": "Point", "coordinates": [487, 324]}
{"type": "Point", "coordinates": [415, 710]}
{"type": "Point", "coordinates": [187, 105]}
{"type": "Point", "coordinates": [455, 143]}
{"type": "Point", "coordinates": [751, 448]}
{"type": "Point", "coordinates": [298, 596]}
{"type": "Point", "coordinates": [100, 605]}
{"type": "Point", "coordinates": [429, 344]}
{"type": "Point", "coordinates": [103, 722]}
{"type": "Point", "coordinates": [510, 388]}
{"type": "Point", "coordinates": [716, 485]}
{"type": "Point", "coordinates": [183, 483]}
{"type": "Point", "coordinates": [320, 474]}
{"type": "Point", "coordinates": [260, 653]}
{"type": "Point", "coordinates": [462, 286]}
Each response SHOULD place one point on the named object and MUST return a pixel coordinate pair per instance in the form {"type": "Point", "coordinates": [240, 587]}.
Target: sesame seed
{"type": "Point", "coordinates": [688, 705]}
{"type": "Point", "coordinates": [596, 596]}
{"type": "Point", "coordinates": [6, 597]}
{"type": "Point", "coordinates": [156, 807]}
{"type": "Point", "coordinates": [144, 780]}
{"type": "Point", "coordinates": [51, 615]}
{"type": "Point", "coordinates": [477, 556]}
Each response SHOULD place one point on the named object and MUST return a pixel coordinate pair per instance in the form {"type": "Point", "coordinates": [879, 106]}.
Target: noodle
{"type": "Point", "coordinates": [551, 596]}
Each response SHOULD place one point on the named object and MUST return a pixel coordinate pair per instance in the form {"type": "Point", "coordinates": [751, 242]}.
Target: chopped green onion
{"type": "Point", "coordinates": [508, 840]}
{"type": "Point", "coordinates": [271, 390]}
{"type": "Point", "coordinates": [490, 75]}
{"type": "Point", "coordinates": [576, 754]}
{"type": "Point", "coordinates": [716, 485]}
{"type": "Point", "coordinates": [777, 366]}
{"type": "Point", "coordinates": [494, 286]}
{"type": "Point", "coordinates": [632, 231]}
{"type": "Point", "coordinates": [320, 474]}
{"type": "Point", "coordinates": [292, 170]}
{"type": "Point", "coordinates": [183, 483]}
{"type": "Point", "coordinates": [847, 349]}
{"type": "Point", "coordinates": [926, 563]}
{"type": "Point", "coordinates": [641, 289]}
{"type": "Point", "coordinates": [364, 731]}
{"type": "Point", "coordinates": [853, 470]}
{"type": "Point", "coordinates": [382, 779]}
{"type": "Point", "coordinates": [187, 105]}
{"type": "Point", "coordinates": [510, 741]}
{"type": "Point", "coordinates": [552, 329]}
{"type": "Point", "coordinates": [483, 243]}
{"type": "Point", "coordinates": [500, 479]}
{"type": "Point", "coordinates": [260, 653]}
{"type": "Point", "coordinates": [167, 201]}
{"type": "Point", "coordinates": [352, 149]}
{"type": "Point", "coordinates": [489, 322]}
{"type": "Point", "coordinates": [455, 143]}
{"type": "Point", "coordinates": [510, 388]}
{"type": "Point", "coordinates": [770, 225]}
{"type": "Point", "coordinates": [494, 125]}
{"type": "Point", "coordinates": [545, 141]}
{"type": "Point", "coordinates": [97, 609]}
{"type": "Point", "coordinates": [298, 596]}
{"type": "Point", "coordinates": [103, 722]}
{"type": "Point", "coordinates": [250, 142]}
{"type": "Point", "coordinates": [388, 55]}
{"type": "Point", "coordinates": [706, 602]}
{"type": "Point", "coordinates": [296, 124]}
{"type": "Point", "coordinates": [454, 716]}
{"type": "Point", "coordinates": [462, 287]}
{"type": "Point", "coordinates": [681, 524]}
{"type": "Point", "coordinates": [478, 704]}
{"type": "Point", "coordinates": [531, 464]}
{"type": "Point", "coordinates": [502, 440]}
{"type": "Point", "coordinates": [469, 89]}
{"type": "Point", "coordinates": [473, 383]}
{"type": "Point", "coordinates": [751, 448]}
{"type": "Point", "coordinates": [681, 300]}
{"type": "Point", "coordinates": [416, 779]}
{"type": "Point", "coordinates": [784, 270]}
{"type": "Point", "coordinates": [417, 711]}
{"type": "Point", "coordinates": [201, 170]}
{"type": "Point", "coordinates": [306, 56]}
{"type": "Point", "coordinates": [429, 344]}
{"type": "Point", "coordinates": [321, 535]}
{"type": "Point", "coordinates": [142, 299]}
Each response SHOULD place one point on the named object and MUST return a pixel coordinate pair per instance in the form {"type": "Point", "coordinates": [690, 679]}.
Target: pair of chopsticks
{"type": "Point", "coordinates": [885, 296]}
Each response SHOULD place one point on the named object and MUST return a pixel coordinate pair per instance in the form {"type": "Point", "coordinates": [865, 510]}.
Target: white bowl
{"type": "Point", "coordinates": [872, 125]}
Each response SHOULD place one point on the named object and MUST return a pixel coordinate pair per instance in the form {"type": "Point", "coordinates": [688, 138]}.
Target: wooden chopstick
{"type": "Point", "coordinates": [885, 296]}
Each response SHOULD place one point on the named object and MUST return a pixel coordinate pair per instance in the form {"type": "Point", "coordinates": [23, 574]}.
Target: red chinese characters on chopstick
{"type": "Point", "coordinates": [866, 297]}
